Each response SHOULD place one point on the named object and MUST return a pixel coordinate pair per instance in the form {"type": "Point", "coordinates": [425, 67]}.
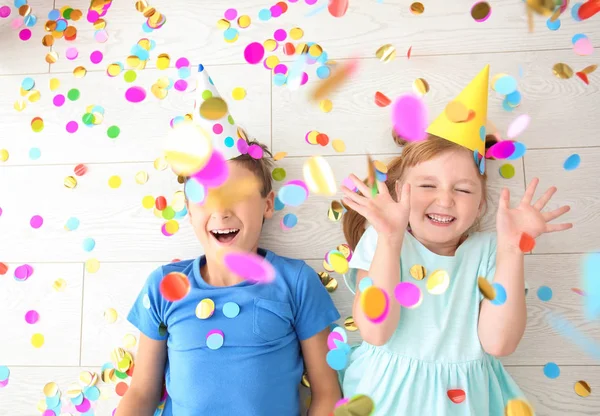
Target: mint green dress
{"type": "Point", "coordinates": [435, 348]}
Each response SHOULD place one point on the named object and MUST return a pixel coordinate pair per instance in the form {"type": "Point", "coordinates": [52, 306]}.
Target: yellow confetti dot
{"type": "Point", "coordinates": [3, 155]}
{"type": "Point", "coordinates": [148, 201]}
{"type": "Point", "coordinates": [223, 24]}
{"type": "Point", "coordinates": [161, 163]}
{"type": "Point", "coordinates": [114, 181]}
{"type": "Point", "coordinates": [438, 282]}
{"type": "Point", "coordinates": [132, 61]}
{"type": "Point", "coordinates": [42, 406]}
{"type": "Point", "coordinates": [582, 388]}
{"type": "Point", "coordinates": [172, 226]}
{"type": "Point", "coordinates": [20, 105]}
{"type": "Point", "coordinates": [338, 145]}
{"type": "Point", "coordinates": [34, 96]}
{"type": "Point", "coordinates": [270, 45]}
{"type": "Point", "coordinates": [37, 340]}
{"type": "Point", "coordinates": [54, 84]}
{"type": "Point", "coordinates": [70, 182]}
{"type": "Point", "coordinates": [271, 61]}
{"type": "Point", "coordinates": [205, 308]}
{"type": "Point", "coordinates": [507, 171]}
{"type": "Point", "coordinates": [50, 389]}
{"type": "Point", "coordinates": [238, 93]}
{"type": "Point", "coordinates": [326, 106]}
{"type": "Point", "coordinates": [279, 156]}
{"type": "Point", "coordinates": [114, 70]}
{"type": "Point", "coordinates": [79, 72]}
{"type": "Point", "coordinates": [163, 61]}
{"type": "Point", "coordinates": [141, 177]}
{"type": "Point", "coordinates": [319, 176]}
{"type": "Point", "coordinates": [296, 33]}
{"type": "Point", "coordinates": [110, 316]}
{"type": "Point", "coordinates": [338, 262]}
{"type": "Point", "coordinates": [59, 285]}
{"type": "Point", "coordinates": [518, 407]}
{"type": "Point", "coordinates": [37, 124]}
{"type": "Point", "coordinates": [244, 21]}
{"type": "Point", "coordinates": [92, 265]}
{"type": "Point", "coordinates": [129, 341]}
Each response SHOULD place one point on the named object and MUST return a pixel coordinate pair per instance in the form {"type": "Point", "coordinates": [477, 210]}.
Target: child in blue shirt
{"type": "Point", "coordinates": [264, 332]}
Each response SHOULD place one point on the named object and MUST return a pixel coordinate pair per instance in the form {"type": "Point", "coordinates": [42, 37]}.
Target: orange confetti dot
{"type": "Point", "coordinates": [3, 268]}
{"type": "Point", "coordinates": [527, 243]}
{"type": "Point", "coordinates": [457, 395]}
{"type": "Point", "coordinates": [381, 100]}
{"type": "Point", "coordinates": [174, 286]}
{"type": "Point", "coordinates": [121, 388]}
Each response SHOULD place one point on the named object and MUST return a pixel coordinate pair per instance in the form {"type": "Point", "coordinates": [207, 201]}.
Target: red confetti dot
{"type": "Point", "coordinates": [289, 49]}
{"type": "Point", "coordinates": [283, 6]}
{"type": "Point", "coordinates": [381, 100]}
{"type": "Point", "coordinates": [80, 169]}
{"type": "Point", "coordinates": [174, 286]}
{"type": "Point", "coordinates": [121, 388]}
{"type": "Point", "coordinates": [527, 243]}
{"type": "Point", "coordinates": [583, 77]}
{"type": "Point", "coordinates": [25, 34]}
{"type": "Point", "coordinates": [160, 203]}
{"type": "Point", "coordinates": [408, 53]}
{"type": "Point", "coordinates": [3, 269]}
{"type": "Point", "coordinates": [338, 8]}
{"type": "Point", "coordinates": [130, 371]}
{"type": "Point", "coordinates": [457, 396]}
{"type": "Point", "coordinates": [322, 139]}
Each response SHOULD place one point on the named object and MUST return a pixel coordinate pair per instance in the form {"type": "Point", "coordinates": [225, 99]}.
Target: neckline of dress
{"type": "Point", "coordinates": [460, 246]}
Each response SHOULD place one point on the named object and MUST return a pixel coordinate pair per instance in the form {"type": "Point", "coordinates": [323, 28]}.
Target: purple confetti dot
{"type": "Point", "coordinates": [25, 34]}
{"type": "Point", "coordinates": [4, 11]}
{"type": "Point", "coordinates": [163, 229]}
{"type": "Point", "coordinates": [23, 272]}
{"type": "Point", "coordinates": [242, 146]}
{"type": "Point", "coordinates": [36, 221]}
{"type": "Point", "coordinates": [230, 14]}
{"type": "Point", "coordinates": [310, 2]}
{"type": "Point", "coordinates": [0, 211]}
{"type": "Point", "coordinates": [181, 63]}
{"type": "Point", "coordinates": [135, 94]}
{"type": "Point", "coordinates": [280, 69]}
{"type": "Point", "coordinates": [96, 57]}
{"type": "Point", "coordinates": [71, 53]}
{"type": "Point", "coordinates": [181, 85]}
{"type": "Point", "coordinates": [58, 100]}
{"type": "Point", "coordinates": [92, 16]}
{"type": "Point", "coordinates": [49, 412]}
{"type": "Point", "coordinates": [276, 10]}
{"type": "Point", "coordinates": [280, 35]}
{"type": "Point", "coordinates": [84, 406]}
{"type": "Point", "coordinates": [72, 126]}
{"type": "Point", "coordinates": [31, 317]}
{"type": "Point", "coordinates": [3, 383]}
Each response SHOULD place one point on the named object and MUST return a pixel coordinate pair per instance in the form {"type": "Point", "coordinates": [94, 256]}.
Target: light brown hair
{"type": "Point", "coordinates": [413, 153]}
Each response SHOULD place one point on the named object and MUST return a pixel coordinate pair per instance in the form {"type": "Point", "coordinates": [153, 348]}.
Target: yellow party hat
{"type": "Point", "coordinates": [464, 119]}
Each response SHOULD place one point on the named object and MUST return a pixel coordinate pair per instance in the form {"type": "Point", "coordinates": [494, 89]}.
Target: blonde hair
{"type": "Point", "coordinates": [413, 153]}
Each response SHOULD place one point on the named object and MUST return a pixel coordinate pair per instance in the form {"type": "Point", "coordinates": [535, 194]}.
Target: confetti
{"type": "Point", "coordinates": [174, 286]}
{"type": "Point", "coordinates": [36, 221]}
{"type": "Point", "coordinates": [481, 11]}
{"type": "Point", "coordinates": [289, 221]}
{"type": "Point", "coordinates": [457, 396]}
{"type": "Point", "coordinates": [231, 310]}
{"type": "Point", "coordinates": [31, 317]}
{"type": "Point", "coordinates": [386, 53]}
{"type": "Point", "coordinates": [582, 388]}
{"type": "Point", "coordinates": [359, 405]}
{"type": "Point", "coordinates": [319, 176]}
{"type": "Point", "coordinates": [249, 266]}
{"type": "Point", "coordinates": [135, 94]}
{"type": "Point", "coordinates": [37, 340]}
{"type": "Point", "coordinates": [518, 126]}
{"type": "Point", "coordinates": [562, 71]}
{"type": "Point", "coordinates": [544, 293]}
{"type": "Point", "coordinates": [375, 304]}
{"type": "Point", "coordinates": [417, 8]}
{"type": "Point", "coordinates": [338, 8]}
{"type": "Point", "coordinates": [572, 162]}
{"type": "Point", "coordinates": [551, 370]}
{"type": "Point", "coordinates": [110, 316]}
{"type": "Point", "coordinates": [409, 117]}
{"type": "Point", "coordinates": [189, 152]}
{"type": "Point", "coordinates": [438, 282]}
{"type": "Point", "coordinates": [254, 53]}
{"type": "Point", "coordinates": [382, 100]}
{"type": "Point", "coordinates": [518, 407]}
{"type": "Point", "coordinates": [526, 243]}
{"type": "Point", "coordinates": [500, 298]}
{"type": "Point", "coordinates": [326, 106]}
{"type": "Point", "coordinates": [215, 339]}
{"type": "Point", "coordinates": [507, 171]}
{"type": "Point", "coordinates": [407, 294]}
{"type": "Point", "coordinates": [114, 181]}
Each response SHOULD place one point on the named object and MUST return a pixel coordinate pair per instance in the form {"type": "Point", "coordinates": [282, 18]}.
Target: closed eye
{"type": "Point", "coordinates": [427, 186]}
{"type": "Point", "coordinates": [464, 190]}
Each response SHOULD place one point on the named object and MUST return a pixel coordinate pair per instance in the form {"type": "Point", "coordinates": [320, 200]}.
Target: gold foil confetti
{"type": "Point", "coordinates": [350, 325]}
{"type": "Point", "coordinates": [70, 182]}
{"type": "Point", "coordinates": [3, 155]}
{"type": "Point", "coordinates": [421, 86]}
{"type": "Point", "coordinates": [481, 11]}
{"type": "Point", "coordinates": [562, 71]}
{"type": "Point", "coordinates": [329, 282]}
{"type": "Point", "coordinates": [205, 308]}
{"type": "Point", "coordinates": [50, 389]}
{"type": "Point", "coordinates": [48, 40]}
{"type": "Point", "coordinates": [386, 53]}
{"type": "Point", "coordinates": [589, 69]}
{"type": "Point", "coordinates": [359, 405]}
{"type": "Point", "coordinates": [20, 105]}
{"type": "Point", "coordinates": [582, 388]}
{"type": "Point", "coordinates": [486, 288]}
{"type": "Point", "coordinates": [141, 5]}
{"type": "Point", "coordinates": [543, 7]}
{"type": "Point", "coordinates": [418, 272]}
{"type": "Point", "coordinates": [438, 282]}
{"type": "Point", "coordinates": [110, 316]}
{"type": "Point", "coordinates": [326, 106]}
{"type": "Point", "coordinates": [129, 341]}
{"type": "Point", "coordinates": [315, 50]}
{"type": "Point", "coordinates": [335, 211]}
{"type": "Point", "coordinates": [160, 163]}
{"type": "Point", "coordinates": [417, 8]}
{"type": "Point", "coordinates": [244, 21]}
{"type": "Point", "coordinates": [141, 177]}
{"type": "Point", "coordinates": [305, 381]}
{"type": "Point", "coordinates": [213, 109]}
{"type": "Point", "coordinates": [380, 166]}
{"type": "Point", "coordinates": [296, 33]}
{"type": "Point", "coordinates": [163, 61]}
{"type": "Point", "coordinates": [92, 265]}
{"type": "Point", "coordinates": [518, 407]}
{"type": "Point", "coordinates": [59, 285]}
{"type": "Point", "coordinates": [73, 391]}
{"type": "Point", "coordinates": [52, 57]}
{"type": "Point", "coordinates": [223, 24]}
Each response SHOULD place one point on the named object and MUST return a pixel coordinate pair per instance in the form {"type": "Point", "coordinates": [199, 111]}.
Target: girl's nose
{"type": "Point", "coordinates": [445, 198]}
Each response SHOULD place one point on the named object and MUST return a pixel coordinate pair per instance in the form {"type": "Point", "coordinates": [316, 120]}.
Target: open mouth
{"type": "Point", "coordinates": [225, 235]}
{"type": "Point", "coordinates": [440, 219]}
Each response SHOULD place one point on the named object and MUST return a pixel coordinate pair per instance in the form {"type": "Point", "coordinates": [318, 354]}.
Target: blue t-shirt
{"type": "Point", "coordinates": [259, 366]}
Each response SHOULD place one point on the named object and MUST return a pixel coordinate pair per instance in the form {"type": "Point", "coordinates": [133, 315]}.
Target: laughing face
{"type": "Point", "coordinates": [237, 225]}
{"type": "Point", "coordinates": [446, 198]}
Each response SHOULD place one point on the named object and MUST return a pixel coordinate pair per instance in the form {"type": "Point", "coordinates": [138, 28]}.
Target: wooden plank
{"type": "Point", "coordinates": [577, 188]}
{"type": "Point", "coordinates": [443, 29]}
{"type": "Point", "coordinates": [59, 315]}
{"type": "Point", "coordinates": [124, 231]}
{"type": "Point", "coordinates": [29, 56]}
{"type": "Point", "coordinates": [25, 390]}
{"type": "Point", "coordinates": [144, 127]}
{"type": "Point", "coordinates": [553, 104]}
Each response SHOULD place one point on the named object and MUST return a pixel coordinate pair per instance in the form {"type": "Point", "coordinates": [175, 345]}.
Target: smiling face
{"type": "Point", "coordinates": [236, 225]}
{"type": "Point", "coordinates": [446, 198]}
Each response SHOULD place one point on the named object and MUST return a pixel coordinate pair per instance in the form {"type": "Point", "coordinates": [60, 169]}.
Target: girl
{"type": "Point", "coordinates": [439, 356]}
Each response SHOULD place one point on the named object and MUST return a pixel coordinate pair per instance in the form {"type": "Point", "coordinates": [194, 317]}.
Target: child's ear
{"type": "Point", "coordinates": [270, 205]}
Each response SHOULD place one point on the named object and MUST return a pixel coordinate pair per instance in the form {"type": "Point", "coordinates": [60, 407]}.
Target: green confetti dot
{"type": "Point", "coordinates": [206, 94]}
{"type": "Point", "coordinates": [130, 76]}
{"type": "Point", "coordinates": [113, 132]}
{"type": "Point", "coordinates": [507, 171]}
{"type": "Point", "coordinates": [168, 213]}
{"type": "Point", "coordinates": [88, 119]}
{"type": "Point", "coordinates": [230, 120]}
{"type": "Point", "coordinates": [67, 13]}
{"type": "Point", "coordinates": [73, 94]}
{"type": "Point", "coordinates": [278, 174]}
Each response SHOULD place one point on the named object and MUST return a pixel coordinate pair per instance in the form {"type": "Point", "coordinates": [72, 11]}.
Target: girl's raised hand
{"type": "Point", "coordinates": [389, 217]}
{"type": "Point", "coordinates": [528, 218]}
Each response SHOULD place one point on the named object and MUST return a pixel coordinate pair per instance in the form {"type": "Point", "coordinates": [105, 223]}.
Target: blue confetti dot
{"type": "Point", "coordinates": [293, 195]}
{"type": "Point", "coordinates": [577, 37]}
{"type": "Point", "coordinates": [146, 28]}
{"type": "Point", "coordinates": [290, 220]}
{"type": "Point", "coordinates": [200, 67]}
{"type": "Point", "coordinates": [54, 14]}
{"type": "Point", "coordinates": [91, 393]}
{"type": "Point", "coordinates": [575, 12]}
{"type": "Point", "coordinates": [323, 72]}
{"type": "Point", "coordinates": [278, 204]}
{"type": "Point", "coordinates": [381, 177]}
{"type": "Point", "coordinates": [184, 72]}
{"type": "Point", "coordinates": [194, 191]}
{"type": "Point", "coordinates": [89, 244]}
{"type": "Point", "coordinates": [482, 166]}
{"type": "Point", "coordinates": [482, 132]}
{"type": "Point", "coordinates": [514, 98]}
{"type": "Point", "coordinates": [337, 359]}
{"type": "Point", "coordinates": [4, 372]}
{"type": "Point", "coordinates": [551, 370]}
{"type": "Point", "coordinates": [264, 14]}
{"type": "Point", "coordinates": [323, 58]}
{"type": "Point", "coordinates": [500, 298]}
{"type": "Point", "coordinates": [364, 283]}
{"type": "Point", "coordinates": [61, 25]}
{"type": "Point", "coordinates": [553, 25]}
{"type": "Point", "coordinates": [229, 142]}
{"type": "Point", "coordinates": [506, 85]}
{"type": "Point", "coordinates": [506, 105]}
{"type": "Point", "coordinates": [27, 84]}
{"type": "Point", "coordinates": [519, 151]}
{"type": "Point", "coordinates": [34, 153]}
{"type": "Point", "coordinates": [231, 309]}
{"type": "Point", "coordinates": [52, 402]}
{"type": "Point", "coordinates": [279, 79]}
{"type": "Point", "coordinates": [30, 20]}
{"type": "Point", "coordinates": [77, 400]}
{"type": "Point", "coordinates": [572, 162]}
{"type": "Point", "coordinates": [591, 286]}
{"type": "Point", "coordinates": [214, 341]}
{"type": "Point", "coordinates": [152, 44]}
{"type": "Point", "coordinates": [544, 293]}
{"type": "Point", "coordinates": [230, 33]}
{"type": "Point", "coordinates": [72, 224]}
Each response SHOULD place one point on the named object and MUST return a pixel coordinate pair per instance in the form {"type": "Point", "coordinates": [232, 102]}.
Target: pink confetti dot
{"type": "Point", "coordinates": [280, 35]}
{"type": "Point", "coordinates": [0, 211]}
{"type": "Point", "coordinates": [280, 69]}
{"type": "Point", "coordinates": [4, 11]}
{"type": "Point", "coordinates": [501, 150]}
{"type": "Point", "coordinates": [48, 412]}
{"type": "Point", "coordinates": [3, 383]}
{"type": "Point", "coordinates": [181, 85]}
{"type": "Point", "coordinates": [23, 272]}
{"type": "Point", "coordinates": [217, 128]}
{"type": "Point", "coordinates": [92, 16]}
{"type": "Point", "coordinates": [409, 117]}
{"type": "Point", "coordinates": [182, 63]}
{"type": "Point", "coordinates": [310, 2]}
{"type": "Point", "coordinates": [25, 34]}
{"type": "Point", "coordinates": [31, 317]}
{"type": "Point", "coordinates": [58, 100]}
{"type": "Point", "coordinates": [276, 10]}
{"type": "Point", "coordinates": [72, 126]}
{"type": "Point", "coordinates": [71, 53]}
{"type": "Point", "coordinates": [36, 221]}
{"type": "Point", "coordinates": [230, 14]}
{"type": "Point", "coordinates": [96, 57]}
{"type": "Point", "coordinates": [84, 406]}
{"type": "Point", "coordinates": [135, 94]}
{"type": "Point", "coordinates": [163, 229]}
{"type": "Point", "coordinates": [255, 151]}
{"type": "Point", "coordinates": [101, 35]}
{"type": "Point", "coordinates": [304, 78]}
{"type": "Point", "coordinates": [16, 23]}
{"type": "Point", "coordinates": [254, 53]}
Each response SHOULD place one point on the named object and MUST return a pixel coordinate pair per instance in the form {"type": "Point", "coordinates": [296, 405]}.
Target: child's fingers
{"type": "Point", "coordinates": [541, 203]}
{"type": "Point", "coordinates": [552, 215]}
{"type": "Point", "coordinates": [404, 193]}
{"type": "Point", "coordinates": [551, 228]}
{"type": "Point", "coordinates": [353, 196]}
{"type": "Point", "coordinates": [530, 191]}
{"type": "Point", "coordinates": [354, 206]}
{"type": "Point", "coordinates": [504, 199]}
{"type": "Point", "coordinates": [382, 188]}
{"type": "Point", "coordinates": [364, 189]}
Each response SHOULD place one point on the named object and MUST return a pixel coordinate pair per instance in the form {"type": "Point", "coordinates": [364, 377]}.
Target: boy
{"type": "Point", "coordinates": [264, 330]}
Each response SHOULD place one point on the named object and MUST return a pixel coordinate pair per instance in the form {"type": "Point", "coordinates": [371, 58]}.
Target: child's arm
{"type": "Point", "coordinates": [145, 390]}
{"type": "Point", "coordinates": [324, 385]}
{"type": "Point", "coordinates": [389, 217]}
{"type": "Point", "coordinates": [501, 327]}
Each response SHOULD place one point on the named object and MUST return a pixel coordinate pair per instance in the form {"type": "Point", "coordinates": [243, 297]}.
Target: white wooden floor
{"type": "Point", "coordinates": [448, 49]}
